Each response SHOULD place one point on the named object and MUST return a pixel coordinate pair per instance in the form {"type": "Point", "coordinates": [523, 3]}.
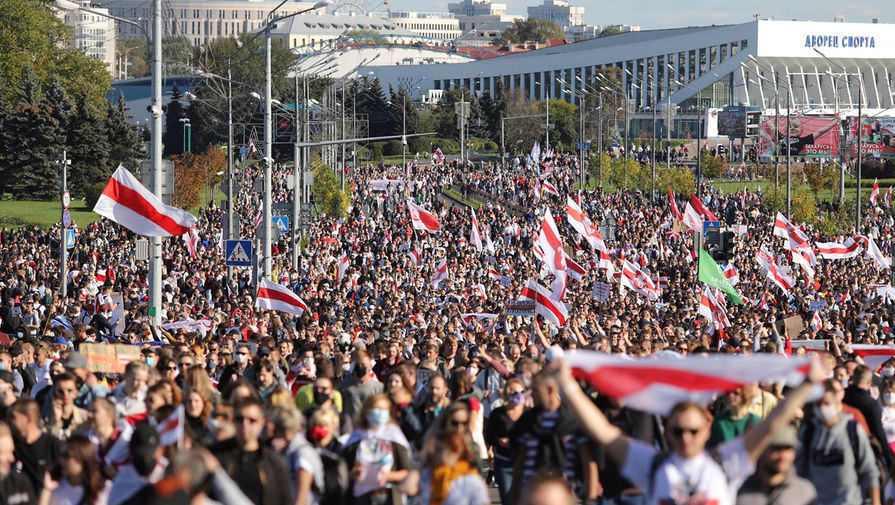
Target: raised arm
{"type": "Point", "coordinates": [595, 423]}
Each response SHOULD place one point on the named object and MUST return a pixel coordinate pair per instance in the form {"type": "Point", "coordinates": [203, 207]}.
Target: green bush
{"type": "Point", "coordinates": [375, 149]}
{"type": "Point", "coordinates": [92, 193]}
{"type": "Point", "coordinates": [392, 148]}
{"type": "Point", "coordinates": [425, 146]}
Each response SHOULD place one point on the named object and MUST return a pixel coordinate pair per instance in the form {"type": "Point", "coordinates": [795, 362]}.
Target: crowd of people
{"type": "Point", "coordinates": [391, 389]}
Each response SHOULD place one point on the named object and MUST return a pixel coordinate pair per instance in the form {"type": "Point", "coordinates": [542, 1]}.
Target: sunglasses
{"type": "Point", "coordinates": [458, 423]}
{"type": "Point", "coordinates": [172, 367]}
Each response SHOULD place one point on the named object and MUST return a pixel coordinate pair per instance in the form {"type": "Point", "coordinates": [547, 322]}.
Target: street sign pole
{"type": "Point", "coordinates": [63, 232]}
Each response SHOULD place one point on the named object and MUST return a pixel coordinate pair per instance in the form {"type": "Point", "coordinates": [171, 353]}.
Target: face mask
{"type": "Point", "coordinates": [889, 398]}
{"type": "Point", "coordinates": [2, 366]}
{"type": "Point", "coordinates": [377, 417]}
{"type": "Point", "coordinates": [887, 372]}
{"type": "Point", "coordinates": [346, 367]}
{"type": "Point", "coordinates": [472, 371]}
{"type": "Point", "coordinates": [318, 433]}
{"type": "Point", "coordinates": [360, 370]}
{"type": "Point", "coordinates": [307, 362]}
{"type": "Point", "coordinates": [845, 383]}
{"type": "Point", "coordinates": [210, 366]}
{"type": "Point", "coordinates": [150, 362]}
{"type": "Point", "coordinates": [213, 424]}
{"type": "Point", "coordinates": [826, 413]}
{"type": "Point", "coordinates": [517, 399]}
{"type": "Point", "coordinates": [320, 397]}
{"type": "Point", "coordinates": [239, 358]}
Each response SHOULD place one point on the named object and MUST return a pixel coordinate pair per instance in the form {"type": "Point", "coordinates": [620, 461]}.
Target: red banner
{"type": "Point", "coordinates": [809, 137]}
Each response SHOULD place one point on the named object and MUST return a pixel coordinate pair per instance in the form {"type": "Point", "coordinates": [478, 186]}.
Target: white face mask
{"type": "Point", "coordinates": [826, 413]}
{"type": "Point", "coordinates": [887, 372]}
{"type": "Point", "coordinates": [889, 398]}
{"type": "Point", "coordinates": [239, 358]}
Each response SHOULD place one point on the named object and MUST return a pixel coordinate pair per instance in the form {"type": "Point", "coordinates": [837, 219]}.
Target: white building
{"type": "Point", "coordinates": [317, 31]}
{"type": "Point", "coordinates": [92, 33]}
{"type": "Point", "coordinates": [558, 11]}
{"type": "Point", "coordinates": [714, 61]}
{"type": "Point", "coordinates": [434, 25]}
{"type": "Point", "coordinates": [200, 21]}
{"type": "Point", "coordinates": [472, 8]}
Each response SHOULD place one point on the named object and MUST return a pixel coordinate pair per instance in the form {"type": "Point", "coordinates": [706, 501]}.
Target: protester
{"type": "Point", "coordinates": [775, 481]}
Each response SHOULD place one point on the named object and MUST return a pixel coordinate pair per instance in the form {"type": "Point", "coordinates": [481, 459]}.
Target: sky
{"type": "Point", "coordinates": [651, 14]}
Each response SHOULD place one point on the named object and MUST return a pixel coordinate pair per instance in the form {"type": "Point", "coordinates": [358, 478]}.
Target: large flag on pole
{"type": "Point", "coordinates": [132, 205]}
{"type": "Point", "coordinates": [835, 251]}
{"type": "Point", "coordinates": [545, 305]}
{"type": "Point", "coordinates": [711, 309]}
{"type": "Point", "coordinates": [475, 236]}
{"type": "Point", "coordinates": [582, 224]}
{"type": "Point", "coordinates": [710, 274]}
{"type": "Point", "coordinates": [272, 296]}
{"type": "Point", "coordinates": [421, 219]}
{"type": "Point", "coordinates": [658, 383]}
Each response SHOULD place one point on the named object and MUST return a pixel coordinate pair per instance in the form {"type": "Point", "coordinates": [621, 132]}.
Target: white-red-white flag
{"type": "Point", "coordinates": [545, 305]}
{"type": "Point", "coordinates": [470, 318]}
{"type": "Point", "coordinates": [582, 224]}
{"type": "Point", "coordinates": [132, 205]}
{"type": "Point", "coordinates": [475, 236]}
{"type": "Point", "coordinates": [421, 219]}
{"type": "Point", "coordinates": [575, 270]}
{"type": "Point", "coordinates": [882, 262]}
{"type": "Point", "coordinates": [635, 279]}
{"type": "Point", "coordinates": [835, 251]}
{"type": "Point", "coordinates": [554, 257]}
{"type": "Point", "coordinates": [733, 276]}
{"type": "Point", "coordinates": [550, 188]}
{"type": "Point", "coordinates": [874, 356]}
{"type": "Point", "coordinates": [711, 309]}
{"type": "Point", "coordinates": [887, 200]}
{"type": "Point", "coordinates": [779, 278]}
{"type": "Point", "coordinates": [171, 429]}
{"type": "Point", "coordinates": [441, 273]}
{"type": "Point", "coordinates": [438, 156]}
{"type": "Point", "coordinates": [258, 218]}
{"type": "Point", "coordinates": [342, 266]}
{"type": "Point", "coordinates": [191, 240]}
{"type": "Point", "coordinates": [874, 193]}
{"type": "Point", "coordinates": [656, 384]}
{"type": "Point", "coordinates": [674, 209]}
{"type": "Point", "coordinates": [272, 296]}
{"type": "Point", "coordinates": [415, 255]}
{"type": "Point", "coordinates": [784, 228]}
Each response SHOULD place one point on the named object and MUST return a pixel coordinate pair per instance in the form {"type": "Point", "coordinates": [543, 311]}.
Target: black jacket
{"type": "Point", "coordinates": [873, 412]}
{"type": "Point", "coordinates": [264, 466]}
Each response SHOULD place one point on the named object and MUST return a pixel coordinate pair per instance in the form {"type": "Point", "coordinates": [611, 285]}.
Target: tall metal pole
{"type": "Point", "coordinates": [63, 249]}
{"type": "Point", "coordinates": [776, 135]}
{"type": "Point", "coordinates": [155, 243]}
{"type": "Point", "coordinates": [297, 176]}
{"type": "Point", "coordinates": [600, 139]}
{"type": "Point", "coordinates": [268, 156]}
{"type": "Point", "coordinates": [668, 132]}
{"type": "Point", "coordinates": [860, 142]}
{"type": "Point", "coordinates": [788, 159]}
{"type": "Point", "coordinates": [547, 139]}
{"type": "Point", "coordinates": [653, 150]}
{"type": "Point", "coordinates": [581, 143]}
{"type": "Point", "coordinates": [342, 108]}
{"type": "Point", "coordinates": [403, 132]}
{"type": "Point", "coordinates": [230, 198]}
{"type": "Point", "coordinates": [503, 147]}
{"type": "Point", "coordinates": [699, 144]}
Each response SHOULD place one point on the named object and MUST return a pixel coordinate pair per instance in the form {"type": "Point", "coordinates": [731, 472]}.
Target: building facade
{"type": "Point", "coordinates": [723, 65]}
{"type": "Point", "coordinates": [434, 25]}
{"type": "Point", "coordinates": [200, 21]}
{"type": "Point", "coordinates": [558, 11]}
{"type": "Point", "coordinates": [92, 33]}
{"type": "Point", "coordinates": [317, 31]}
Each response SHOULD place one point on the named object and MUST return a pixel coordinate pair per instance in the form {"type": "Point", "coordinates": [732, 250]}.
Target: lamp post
{"type": "Point", "coordinates": [776, 84]}
{"type": "Point", "coordinates": [847, 75]}
{"type": "Point", "coordinates": [187, 134]}
{"type": "Point", "coordinates": [63, 249]}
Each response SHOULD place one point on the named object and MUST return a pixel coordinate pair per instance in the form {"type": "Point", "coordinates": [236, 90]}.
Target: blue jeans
{"type": "Point", "coordinates": [635, 499]}
{"type": "Point", "coordinates": [503, 474]}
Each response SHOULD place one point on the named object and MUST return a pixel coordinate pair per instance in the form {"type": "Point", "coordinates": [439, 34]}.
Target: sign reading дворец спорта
{"type": "Point", "coordinates": [837, 41]}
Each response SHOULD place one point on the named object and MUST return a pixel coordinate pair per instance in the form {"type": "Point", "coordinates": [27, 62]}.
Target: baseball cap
{"type": "Point", "coordinates": [144, 441]}
{"type": "Point", "coordinates": [75, 360]}
{"type": "Point", "coordinates": [785, 437]}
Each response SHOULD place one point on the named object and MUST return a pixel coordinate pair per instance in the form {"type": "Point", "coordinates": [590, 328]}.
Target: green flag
{"type": "Point", "coordinates": [710, 274]}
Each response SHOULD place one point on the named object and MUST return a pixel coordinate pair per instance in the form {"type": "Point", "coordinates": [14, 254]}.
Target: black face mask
{"type": "Point", "coordinates": [360, 370]}
{"type": "Point", "coordinates": [143, 466]}
{"type": "Point", "coordinates": [320, 397]}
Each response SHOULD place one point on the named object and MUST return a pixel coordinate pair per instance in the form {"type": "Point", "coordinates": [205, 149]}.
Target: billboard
{"type": "Point", "coordinates": [732, 123]}
{"type": "Point", "coordinates": [809, 136]}
{"type": "Point", "coordinates": [877, 136]}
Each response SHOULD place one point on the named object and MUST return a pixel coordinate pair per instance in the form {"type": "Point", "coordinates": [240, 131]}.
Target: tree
{"type": "Point", "coordinates": [126, 147]}
{"type": "Point", "coordinates": [36, 139]}
{"type": "Point", "coordinates": [172, 137]}
{"type": "Point", "coordinates": [187, 181]}
{"type": "Point", "coordinates": [88, 149]}
{"type": "Point", "coordinates": [711, 166]}
{"type": "Point", "coordinates": [371, 99]}
{"type": "Point", "coordinates": [327, 191]}
{"type": "Point", "coordinates": [610, 31]}
{"type": "Point", "coordinates": [33, 36]}
{"type": "Point", "coordinates": [530, 30]}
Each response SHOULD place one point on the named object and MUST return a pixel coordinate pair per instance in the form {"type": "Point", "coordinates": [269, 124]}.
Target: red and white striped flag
{"type": "Point", "coordinates": [421, 219]}
{"type": "Point", "coordinates": [272, 296]}
{"type": "Point", "coordinates": [438, 156]}
{"type": "Point", "coordinates": [554, 257]}
{"type": "Point", "coordinates": [191, 239]}
{"type": "Point", "coordinates": [582, 224]}
{"type": "Point", "coordinates": [874, 193]}
{"type": "Point", "coordinates": [342, 266]}
{"type": "Point", "coordinates": [130, 204]}
{"type": "Point", "coordinates": [882, 262]}
{"type": "Point", "coordinates": [441, 273]}
{"type": "Point", "coordinates": [783, 228]}
{"type": "Point", "coordinates": [475, 237]}
{"type": "Point", "coordinates": [656, 384]}
{"type": "Point", "coordinates": [545, 305]}
{"type": "Point", "coordinates": [470, 319]}
{"type": "Point", "coordinates": [733, 276]}
{"type": "Point", "coordinates": [415, 254]}
{"type": "Point", "coordinates": [874, 356]}
{"type": "Point", "coordinates": [887, 200]}
{"type": "Point", "coordinates": [493, 274]}
{"type": "Point", "coordinates": [576, 270]}
{"type": "Point", "coordinates": [171, 429]}
{"type": "Point", "coordinates": [711, 309]}
{"type": "Point", "coordinates": [835, 251]}
{"type": "Point", "coordinates": [479, 290]}
{"type": "Point", "coordinates": [779, 278]}
{"type": "Point", "coordinates": [674, 209]}
{"type": "Point", "coordinates": [258, 218]}
{"type": "Point", "coordinates": [635, 279]}
{"type": "Point", "coordinates": [550, 188]}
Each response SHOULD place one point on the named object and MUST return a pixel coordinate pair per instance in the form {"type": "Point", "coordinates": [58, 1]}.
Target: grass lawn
{"type": "Point", "coordinates": [472, 202]}
{"type": "Point", "coordinates": [17, 213]}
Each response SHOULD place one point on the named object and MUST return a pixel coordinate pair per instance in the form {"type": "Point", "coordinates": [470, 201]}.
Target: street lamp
{"type": "Point", "coordinates": [776, 85]}
{"type": "Point", "coordinates": [155, 110]}
{"type": "Point", "coordinates": [187, 134]}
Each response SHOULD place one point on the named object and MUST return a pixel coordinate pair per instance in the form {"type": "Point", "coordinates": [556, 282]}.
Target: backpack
{"type": "Point", "coordinates": [852, 430]}
{"type": "Point", "coordinates": [335, 479]}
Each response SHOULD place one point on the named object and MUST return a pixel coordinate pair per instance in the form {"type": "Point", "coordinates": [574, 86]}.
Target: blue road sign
{"type": "Point", "coordinates": [70, 238]}
{"type": "Point", "coordinates": [281, 223]}
{"type": "Point", "coordinates": [238, 253]}
{"type": "Point", "coordinates": [243, 151]}
{"type": "Point", "coordinates": [582, 145]}
{"type": "Point", "coordinates": [66, 218]}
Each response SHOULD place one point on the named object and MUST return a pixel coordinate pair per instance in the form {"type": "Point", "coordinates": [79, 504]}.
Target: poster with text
{"type": "Point", "coordinates": [809, 137]}
{"type": "Point", "coordinates": [877, 136]}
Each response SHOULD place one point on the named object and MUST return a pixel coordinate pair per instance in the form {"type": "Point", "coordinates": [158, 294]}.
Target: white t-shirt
{"type": "Point", "coordinates": [468, 489]}
{"type": "Point", "coordinates": [695, 481]}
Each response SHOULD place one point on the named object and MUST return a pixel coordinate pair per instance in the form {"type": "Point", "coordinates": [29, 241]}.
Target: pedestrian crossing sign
{"type": "Point", "coordinates": [238, 253]}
